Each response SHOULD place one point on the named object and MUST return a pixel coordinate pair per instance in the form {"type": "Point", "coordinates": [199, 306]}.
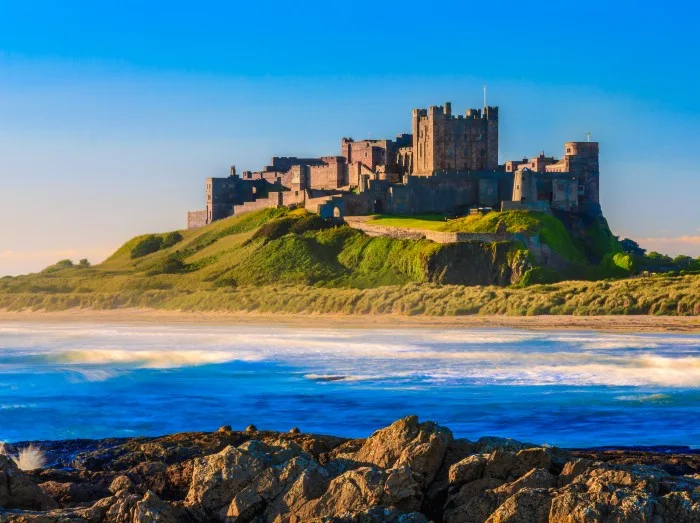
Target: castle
{"type": "Point", "coordinates": [449, 165]}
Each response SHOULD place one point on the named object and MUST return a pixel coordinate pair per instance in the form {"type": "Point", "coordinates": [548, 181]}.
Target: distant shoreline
{"type": "Point", "coordinates": [628, 323]}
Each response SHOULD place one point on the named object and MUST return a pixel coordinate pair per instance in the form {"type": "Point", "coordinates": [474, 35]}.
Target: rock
{"type": "Point", "coordinates": [406, 442]}
{"type": "Point", "coordinates": [244, 505]}
{"type": "Point", "coordinates": [224, 430]}
{"type": "Point", "coordinates": [401, 490]}
{"type": "Point", "coordinates": [362, 489]}
{"type": "Point", "coordinates": [294, 430]}
{"type": "Point", "coordinates": [18, 491]}
{"type": "Point", "coordinates": [71, 492]}
{"type": "Point", "coordinates": [525, 506]}
{"type": "Point", "coordinates": [508, 466]}
{"type": "Point", "coordinates": [407, 472]}
{"type": "Point", "coordinates": [122, 483]}
{"type": "Point", "coordinates": [679, 507]}
{"type": "Point", "coordinates": [595, 499]}
{"type": "Point", "coordinates": [535, 479]}
{"type": "Point", "coordinates": [378, 515]}
{"type": "Point", "coordinates": [467, 470]}
{"type": "Point", "coordinates": [251, 428]}
{"type": "Point", "coordinates": [473, 501]}
{"type": "Point", "coordinates": [152, 510]}
{"type": "Point", "coordinates": [217, 478]}
{"type": "Point", "coordinates": [488, 444]}
{"type": "Point", "coordinates": [572, 469]}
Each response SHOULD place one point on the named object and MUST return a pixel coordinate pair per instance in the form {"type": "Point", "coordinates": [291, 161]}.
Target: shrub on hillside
{"type": "Point", "coordinates": [154, 242]}
{"type": "Point", "coordinates": [537, 275]}
{"type": "Point", "coordinates": [311, 222]}
{"type": "Point", "coordinates": [172, 264]}
{"type": "Point", "coordinates": [148, 245]}
{"type": "Point", "coordinates": [170, 239]}
{"type": "Point", "coordinates": [59, 265]}
{"type": "Point", "coordinates": [274, 229]}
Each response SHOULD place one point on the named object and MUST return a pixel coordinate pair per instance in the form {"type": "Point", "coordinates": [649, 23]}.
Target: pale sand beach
{"type": "Point", "coordinates": [545, 322]}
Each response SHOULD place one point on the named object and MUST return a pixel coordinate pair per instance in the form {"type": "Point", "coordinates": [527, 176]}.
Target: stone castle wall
{"type": "Point", "coordinates": [273, 199]}
{"type": "Point", "coordinates": [331, 175]}
{"type": "Point", "coordinates": [196, 219]}
{"type": "Point", "coordinates": [405, 233]}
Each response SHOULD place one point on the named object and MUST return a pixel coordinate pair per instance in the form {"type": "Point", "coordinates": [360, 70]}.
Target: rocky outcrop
{"type": "Point", "coordinates": [19, 491]}
{"type": "Point", "coordinates": [408, 472]}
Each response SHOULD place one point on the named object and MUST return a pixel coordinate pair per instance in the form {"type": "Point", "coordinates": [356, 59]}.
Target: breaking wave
{"type": "Point", "coordinates": [414, 357]}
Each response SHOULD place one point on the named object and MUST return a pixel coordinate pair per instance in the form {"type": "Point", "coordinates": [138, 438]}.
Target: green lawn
{"type": "Point", "coordinates": [433, 222]}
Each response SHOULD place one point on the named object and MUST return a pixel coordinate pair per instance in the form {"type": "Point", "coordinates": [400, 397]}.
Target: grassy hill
{"type": "Point", "coordinates": [293, 261]}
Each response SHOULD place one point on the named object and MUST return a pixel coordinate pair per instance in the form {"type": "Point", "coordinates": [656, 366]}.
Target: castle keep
{"type": "Point", "coordinates": [449, 164]}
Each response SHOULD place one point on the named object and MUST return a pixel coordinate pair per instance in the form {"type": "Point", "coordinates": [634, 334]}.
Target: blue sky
{"type": "Point", "coordinates": [111, 116]}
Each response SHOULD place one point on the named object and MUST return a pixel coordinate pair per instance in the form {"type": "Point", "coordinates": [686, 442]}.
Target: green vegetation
{"type": "Point", "coordinates": [432, 222]}
{"type": "Point", "coordinates": [657, 295]}
{"type": "Point", "coordinates": [154, 243]}
{"type": "Point", "coordinates": [280, 260]}
{"type": "Point", "coordinates": [655, 262]}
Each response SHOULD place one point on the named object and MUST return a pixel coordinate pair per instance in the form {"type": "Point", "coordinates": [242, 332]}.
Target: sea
{"type": "Point", "coordinates": [565, 388]}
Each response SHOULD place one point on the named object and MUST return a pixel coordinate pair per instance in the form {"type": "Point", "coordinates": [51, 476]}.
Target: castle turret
{"type": "Point", "coordinates": [582, 160]}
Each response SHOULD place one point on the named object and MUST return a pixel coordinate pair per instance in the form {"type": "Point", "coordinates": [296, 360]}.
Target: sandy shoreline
{"type": "Point", "coordinates": [151, 316]}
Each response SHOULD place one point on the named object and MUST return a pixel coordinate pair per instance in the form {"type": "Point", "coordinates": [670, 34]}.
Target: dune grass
{"type": "Point", "coordinates": [279, 260]}
{"type": "Point", "coordinates": [657, 295]}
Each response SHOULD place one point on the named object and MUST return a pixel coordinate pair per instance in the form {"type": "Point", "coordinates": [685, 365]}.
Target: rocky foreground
{"type": "Point", "coordinates": [407, 472]}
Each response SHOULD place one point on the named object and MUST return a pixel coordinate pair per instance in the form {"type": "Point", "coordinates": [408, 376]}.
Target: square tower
{"type": "Point", "coordinates": [445, 142]}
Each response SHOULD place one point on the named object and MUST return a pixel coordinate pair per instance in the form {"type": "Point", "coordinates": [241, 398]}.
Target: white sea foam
{"type": "Point", "coordinates": [149, 359]}
{"type": "Point", "coordinates": [644, 398]}
{"type": "Point", "coordinates": [467, 356]}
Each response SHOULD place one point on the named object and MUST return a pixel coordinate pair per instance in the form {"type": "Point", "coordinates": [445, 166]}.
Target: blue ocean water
{"type": "Point", "coordinates": [566, 388]}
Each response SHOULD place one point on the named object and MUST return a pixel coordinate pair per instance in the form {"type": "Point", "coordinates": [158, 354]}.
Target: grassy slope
{"type": "Point", "coordinates": [230, 266]}
{"type": "Point", "coordinates": [226, 254]}
{"type": "Point", "coordinates": [551, 231]}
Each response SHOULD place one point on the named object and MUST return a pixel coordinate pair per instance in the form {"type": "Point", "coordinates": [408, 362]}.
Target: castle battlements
{"type": "Point", "coordinates": [447, 163]}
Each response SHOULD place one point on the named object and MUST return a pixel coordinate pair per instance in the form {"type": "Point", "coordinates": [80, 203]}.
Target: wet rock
{"type": "Point", "coordinates": [17, 490]}
{"type": "Point", "coordinates": [69, 493]}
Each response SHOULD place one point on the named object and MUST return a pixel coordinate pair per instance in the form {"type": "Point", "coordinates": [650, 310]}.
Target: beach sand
{"type": "Point", "coordinates": [150, 316]}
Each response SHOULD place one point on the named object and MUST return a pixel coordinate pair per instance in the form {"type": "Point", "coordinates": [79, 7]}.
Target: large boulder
{"type": "Point", "coordinates": [217, 478]}
{"type": "Point", "coordinates": [362, 489]}
{"type": "Point", "coordinates": [420, 446]}
{"type": "Point", "coordinates": [525, 506]}
{"type": "Point", "coordinates": [18, 491]}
